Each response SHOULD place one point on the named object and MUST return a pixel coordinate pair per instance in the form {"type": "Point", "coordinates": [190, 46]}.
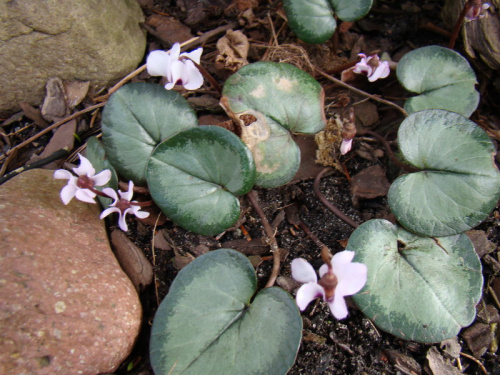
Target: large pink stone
{"type": "Point", "coordinates": [66, 307]}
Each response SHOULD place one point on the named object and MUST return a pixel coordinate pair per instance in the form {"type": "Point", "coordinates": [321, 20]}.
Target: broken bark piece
{"type": "Point", "coordinates": [369, 183]}
{"type": "Point", "coordinates": [132, 260]}
{"type": "Point", "coordinates": [403, 363]}
{"type": "Point", "coordinates": [479, 239]}
{"type": "Point", "coordinates": [440, 365]}
{"type": "Point", "coordinates": [478, 338]}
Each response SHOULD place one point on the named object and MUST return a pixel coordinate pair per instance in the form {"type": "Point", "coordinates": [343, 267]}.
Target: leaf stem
{"type": "Point", "coordinates": [254, 200]}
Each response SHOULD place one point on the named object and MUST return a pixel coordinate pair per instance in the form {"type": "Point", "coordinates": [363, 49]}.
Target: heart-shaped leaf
{"type": "Point", "coordinates": [442, 77]}
{"type": "Point", "coordinates": [194, 176]}
{"type": "Point", "coordinates": [136, 119]}
{"type": "Point", "coordinates": [459, 184]}
{"type": "Point", "coordinates": [97, 156]}
{"type": "Point", "coordinates": [313, 20]}
{"type": "Point", "coordinates": [268, 100]}
{"type": "Point", "coordinates": [418, 288]}
{"type": "Point", "coordinates": [209, 324]}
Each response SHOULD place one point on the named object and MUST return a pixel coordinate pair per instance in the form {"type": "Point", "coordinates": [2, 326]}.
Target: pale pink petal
{"type": "Point", "coordinates": [346, 146]}
{"type": "Point", "coordinates": [302, 271]}
{"type": "Point", "coordinates": [351, 279]}
{"type": "Point", "coordinates": [192, 79]}
{"type": "Point", "coordinates": [307, 293]}
{"type": "Point", "coordinates": [127, 195]}
{"type": "Point", "coordinates": [85, 168]}
{"type": "Point", "coordinates": [158, 63]}
{"type": "Point", "coordinates": [342, 257]}
{"type": "Point", "coordinates": [109, 211]}
{"type": "Point", "coordinates": [361, 68]}
{"type": "Point", "coordinates": [67, 193]}
{"type": "Point", "coordinates": [323, 270]}
{"type": "Point", "coordinates": [102, 178]}
{"type": "Point", "coordinates": [338, 307]}
{"type": "Point", "coordinates": [121, 220]}
{"type": "Point", "coordinates": [111, 193]}
{"type": "Point", "coordinates": [382, 71]}
{"type": "Point", "coordinates": [137, 212]}
{"type": "Point", "coordinates": [85, 195]}
{"type": "Point", "coordinates": [63, 174]}
{"type": "Point", "coordinates": [194, 55]}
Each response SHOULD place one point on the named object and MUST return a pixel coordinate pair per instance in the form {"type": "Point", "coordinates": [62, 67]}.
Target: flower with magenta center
{"type": "Point", "coordinates": [477, 9]}
{"type": "Point", "coordinates": [338, 278]}
{"type": "Point", "coordinates": [372, 67]}
{"type": "Point", "coordinates": [82, 187]}
{"type": "Point", "coordinates": [178, 68]}
{"type": "Point", "coordinates": [123, 205]}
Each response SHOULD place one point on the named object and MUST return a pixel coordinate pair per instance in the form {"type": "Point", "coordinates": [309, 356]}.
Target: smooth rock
{"type": "Point", "coordinates": [66, 307]}
{"type": "Point", "coordinates": [97, 41]}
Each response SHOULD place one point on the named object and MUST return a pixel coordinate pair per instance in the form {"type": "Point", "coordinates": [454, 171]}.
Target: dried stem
{"type": "Point", "coordinates": [329, 205]}
{"type": "Point", "coordinates": [361, 92]}
{"type": "Point", "coordinates": [458, 25]}
{"type": "Point", "coordinates": [254, 200]}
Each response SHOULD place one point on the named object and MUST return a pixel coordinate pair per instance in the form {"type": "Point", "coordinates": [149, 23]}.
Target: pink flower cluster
{"type": "Point", "coordinates": [82, 187]}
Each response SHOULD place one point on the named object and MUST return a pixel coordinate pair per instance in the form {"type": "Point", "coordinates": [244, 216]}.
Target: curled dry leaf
{"type": "Point", "coordinates": [132, 260]}
{"type": "Point", "coordinates": [233, 51]}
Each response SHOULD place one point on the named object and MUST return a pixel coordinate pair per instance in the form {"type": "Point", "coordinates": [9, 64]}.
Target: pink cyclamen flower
{"type": "Point", "coordinates": [81, 186]}
{"type": "Point", "coordinates": [339, 279]}
{"type": "Point", "coordinates": [177, 67]}
{"type": "Point", "coordinates": [123, 205]}
{"type": "Point", "coordinates": [372, 67]}
{"type": "Point", "coordinates": [345, 146]}
{"type": "Point", "coordinates": [476, 10]}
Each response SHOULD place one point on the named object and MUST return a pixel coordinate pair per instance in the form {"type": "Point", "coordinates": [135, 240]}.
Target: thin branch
{"type": "Point", "coordinates": [51, 127]}
{"type": "Point", "coordinates": [254, 200]}
{"type": "Point", "coordinates": [361, 92]}
{"type": "Point", "coordinates": [329, 205]}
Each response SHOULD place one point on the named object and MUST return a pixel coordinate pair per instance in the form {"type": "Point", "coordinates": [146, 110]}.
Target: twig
{"type": "Point", "coordinates": [37, 164]}
{"type": "Point", "coordinates": [458, 25]}
{"type": "Point", "coordinates": [391, 155]}
{"type": "Point", "coordinates": [329, 205]}
{"type": "Point", "coordinates": [51, 127]}
{"type": "Point", "coordinates": [361, 92]}
{"type": "Point", "coordinates": [154, 260]}
{"type": "Point", "coordinates": [483, 369]}
{"type": "Point", "coordinates": [254, 200]}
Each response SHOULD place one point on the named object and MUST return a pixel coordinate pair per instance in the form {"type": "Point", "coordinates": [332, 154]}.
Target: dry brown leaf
{"type": "Point", "coordinates": [233, 51]}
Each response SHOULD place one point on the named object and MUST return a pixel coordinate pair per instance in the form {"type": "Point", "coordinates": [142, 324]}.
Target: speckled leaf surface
{"type": "Point", "coordinates": [418, 288]}
{"type": "Point", "coordinates": [194, 178]}
{"type": "Point", "coordinates": [459, 184]}
{"type": "Point", "coordinates": [209, 323]}
{"type": "Point", "coordinates": [136, 119]}
{"type": "Point", "coordinates": [442, 77]}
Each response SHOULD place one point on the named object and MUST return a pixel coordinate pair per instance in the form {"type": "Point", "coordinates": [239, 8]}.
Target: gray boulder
{"type": "Point", "coordinates": [66, 307]}
{"type": "Point", "coordinates": [91, 40]}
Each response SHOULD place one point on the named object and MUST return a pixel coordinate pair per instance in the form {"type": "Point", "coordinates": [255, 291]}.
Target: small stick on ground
{"type": "Point", "coordinates": [254, 200]}
{"type": "Point", "coordinates": [361, 92]}
{"type": "Point", "coordinates": [328, 204]}
{"type": "Point", "coordinates": [481, 366]}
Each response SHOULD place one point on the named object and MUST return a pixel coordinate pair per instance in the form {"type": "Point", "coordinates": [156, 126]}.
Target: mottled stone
{"type": "Point", "coordinates": [92, 40]}
{"type": "Point", "coordinates": [66, 307]}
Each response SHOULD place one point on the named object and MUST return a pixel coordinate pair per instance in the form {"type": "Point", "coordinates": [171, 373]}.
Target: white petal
{"type": "Point", "coordinates": [338, 307]}
{"type": "Point", "coordinates": [85, 195]}
{"type": "Point", "coordinates": [127, 195]}
{"type": "Point", "coordinates": [382, 71]}
{"type": "Point", "coordinates": [175, 51]}
{"type": "Point", "coordinates": [102, 178]}
{"type": "Point", "coordinates": [351, 279]}
{"type": "Point", "coordinates": [302, 271]}
{"type": "Point", "coordinates": [177, 73]}
{"type": "Point", "coordinates": [137, 212]}
{"type": "Point", "coordinates": [362, 69]}
{"type": "Point", "coordinates": [67, 193]}
{"type": "Point", "coordinates": [194, 55]}
{"type": "Point", "coordinates": [63, 174]}
{"type": "Point", "coordinates": [307, 293]}
{"type": "Point", "coordinates": [121, 221]}
{"type": "Point", "coordinates": [85, 168]}
{"type": "Point", "coordinates": [109, 211]}
{"type": "Point", "coordinates": [112, 194]}
{"type": "Point", "coordinates": [192, 79]}
{"type": "Point", "coordinates": [158, 63]}
{"type": "Point", "coordinates": [346, 146]}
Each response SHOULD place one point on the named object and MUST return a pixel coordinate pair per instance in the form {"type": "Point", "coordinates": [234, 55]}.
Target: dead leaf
{"type": "Point", "coordinates": [482, 245]}
{"type": "Point", "coordinates": [233, 51]}
{"type": "Point", "coordinates": [132, 260]}
{"type": "Point", "coordinates": [403, 363]}
{"type": "Point", "coordinates": [181, 260]}
{"type": "Point", "coordinates": [33, 114]}
{"type": "Point", "coordinates": [76, 91]}
{"type": "Point", "coordinates": [160, 242]}
{"type": "Point", "coordinates": [369, 183]}
{"type": "Point", "coordinates": [55, 105]}
{"type": "Point", "coordinates": [451, 347]}
{"type": "Point", "coordinates": [439, 365]}
{"type": "Point", "coordinates": [169, 29]}
{"type": "Point", "coordinates": [478, 338]}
